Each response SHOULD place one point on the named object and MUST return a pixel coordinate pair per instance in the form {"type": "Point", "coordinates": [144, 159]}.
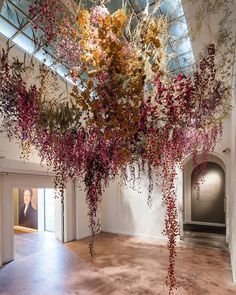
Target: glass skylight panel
{"type": "Point", "coordinates": [114, 5]}
{"type": "Point", "coordinates": [186, 59]}
{"type": "Point", "coordinates": [61, 70]}
{"type": "Point", "coordinates": [171, 8]}
{"type": "Point", "coordinates": [134, 23]}
{"type": "Point", "coordinates": [177, 72]}
{"type": "Point", "coordinates": [143, 3]}
{"type": "Point", "coordinates": [6, 29]}
{"type": "Point", "coordinates": [178, 28]}
{"type": "Point", "coordinates": [173, 65]}
{"type": "Point", "coordinates": [69, 80]}
{"type": "Point", "coordinates": [139, 5]}
{"type": "Point", "coordinates": [156, 12]}
{"type": "Point", "coordinates": [10, 13]}
{"type": "Point", "coordinates": [25, 43]}
{"type": "Point", "coordinates": [22, 5]}
{"type": "Point", "coordinates": [44, 57]}
{"type": "Point", "coordinates": [17, 13]}
{"type": "Point", "coordinates": [49, 49]}
{"type": "Point", "coordinates": [35, 35]}
{"type": "Point", "coordinates": [136, 5]}
{"type": "Point", "coordinates": [169, 48]}
{"type": "Point", "coordinates": [182, 45]}
{"type": "Point", "coordinates": [188, 70]}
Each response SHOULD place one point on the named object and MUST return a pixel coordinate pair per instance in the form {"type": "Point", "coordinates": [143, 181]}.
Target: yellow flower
{"type": "Point", "coordinates": [87, 57]}
{"type": "Point", "coordinates": [83, 18]}
{"type": "Point", "coordinates": [152, 35]}
{"type": "Point", "coordinates": [96, 54]}
{"type": "Point", "coordinates": [119, 19]}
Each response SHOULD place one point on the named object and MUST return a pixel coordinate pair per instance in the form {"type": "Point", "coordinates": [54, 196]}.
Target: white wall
{"type": "Point", "coordinates": [232, 206]}
{"type": "Point", "coordinates": [69, 213]}
{"type": "Point", "coordinates": [204, 21]}
{"type": "Point", "coordinates": [1, 231]}
{"type": "Point", "coordinates": [81, 208]}
{"type": "Point", "coordinates": [125, 211]}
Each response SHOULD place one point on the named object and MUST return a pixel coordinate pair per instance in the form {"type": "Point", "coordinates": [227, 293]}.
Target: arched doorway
{"type": "Point", "coordinates": [206, 212]}
{"type": "Point", "coordinates": [208, 206]}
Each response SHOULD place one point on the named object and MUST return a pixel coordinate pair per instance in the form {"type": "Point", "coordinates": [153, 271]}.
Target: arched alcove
{"type": "Point", "coordinates": [210, 207]}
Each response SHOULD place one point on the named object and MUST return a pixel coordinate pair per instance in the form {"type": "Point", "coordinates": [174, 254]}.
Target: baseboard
{"type": "Point", "coordinates": [234, 277]}
{"type": "Point", "coordinates": [158, 238]}
{"type": "Point", "coordinates": [5, 261]}
{"type": "Point", "coordinates": [83, 236]}
{"type": "Point", "coordinates": [233, 274]}
{"type": "Point", "coordinates": [232, 267]}
{"type": "Point", "coordinates": [130, 234]}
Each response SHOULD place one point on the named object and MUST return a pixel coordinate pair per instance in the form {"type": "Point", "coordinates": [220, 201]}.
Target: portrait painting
{"type": "Point", "coordinates": [28, 203]}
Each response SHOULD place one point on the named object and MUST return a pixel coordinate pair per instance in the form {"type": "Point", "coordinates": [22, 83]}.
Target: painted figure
{"type": "Point", "coordinates": [28, 215]}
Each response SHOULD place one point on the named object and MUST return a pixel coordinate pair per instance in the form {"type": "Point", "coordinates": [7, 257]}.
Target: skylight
{"type": "Point", "coordinates": [179, 47]}
{"type": "Point", "coordinates": [16, 25]}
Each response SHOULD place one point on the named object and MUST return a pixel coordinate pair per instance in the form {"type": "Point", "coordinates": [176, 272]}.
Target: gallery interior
{"type": "Point", "coordinates": [117, 147]}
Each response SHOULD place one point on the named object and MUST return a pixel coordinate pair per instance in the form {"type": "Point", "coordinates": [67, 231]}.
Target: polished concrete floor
{"type": "Point", "coordinates": [27, 243]}
{"type": "Point", "coordinates": [123, 265]}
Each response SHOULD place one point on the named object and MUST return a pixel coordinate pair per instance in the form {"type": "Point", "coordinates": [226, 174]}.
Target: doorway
{"type": "Point", "coordinates": [35, 220]}
{"type": "Point", "coordinates": [204, 215]}
{"type": "Point", "coordinates": [35, 209]}
{"type": "Point", "coordinates": [64, 220]}
{"type": "Point", "coordinates": [208, 207]}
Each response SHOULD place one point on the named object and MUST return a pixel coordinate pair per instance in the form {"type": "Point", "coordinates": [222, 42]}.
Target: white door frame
{"type": "Point", "coordinates": [10, 181]}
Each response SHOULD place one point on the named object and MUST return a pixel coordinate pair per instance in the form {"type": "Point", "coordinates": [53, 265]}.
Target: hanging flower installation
{"type": "Point", "coordinates": [124, 108]}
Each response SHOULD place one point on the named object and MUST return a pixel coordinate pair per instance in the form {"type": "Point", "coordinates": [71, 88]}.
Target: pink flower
{"type": "Point", "coordinates": [97, 13]}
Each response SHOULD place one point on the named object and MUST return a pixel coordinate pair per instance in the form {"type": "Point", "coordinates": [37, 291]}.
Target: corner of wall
{"type": "Point", "coordinates": [0, 221]}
